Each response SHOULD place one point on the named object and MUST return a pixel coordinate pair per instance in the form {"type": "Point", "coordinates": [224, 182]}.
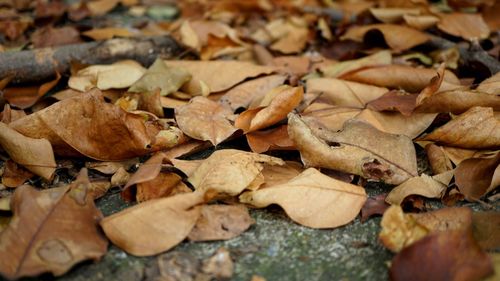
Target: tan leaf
{"type": "Point", "coordinates": [221, 222]}
{"type": "Point", "coordinates": [273, 139]}
{"type": "Point", "coordinates": [108, 33]}
{"type": "Point", "coordinates": [276, 175]}
{"type": "Point", "coordinates": [35, 154]}
{"type": "Point", "coordinates": [328, 116]}
{"type": "Point", "coordinates": [161, 186]}
{"type": "Point", "coordinates": [188, 167]}
{"type": "Point", "coordinates": [118, 75]}
{"type": "Point", "coordinates": [476, 128]}
{"type": "Point", "coordinates": [154, 226]}
{"type": "Point", "coordinates": [344, 93]}
{"type": "Point", "coordinates": [204, 119]}
{"type": "Point", "coordinates": [186, 148]}
{"type": "Point", "coordinates": [475, 177]}
{"type": "Point", "coordinates": [312, 199]}
{"type": "Point", "coordinates": [245, 93]}
{"type": "Point", "coordinates": [392, 15]}
{"type": "Point", "coordinates": [293, 42]}
{"type": "Point", "coordinates": [458, 101]}
{"type": "Point", "coordinates": [486, 229]}
{"type": "Point", "coordinates": [423, 185]}
{"type": "Point", "coordinates": [218, 75]}
{"type": "Point", "coordinates": [81, 125]}
{"type": "Point", "coordinates": [398, 77]}
{"type": "Point", "coordinates": [51, 231]}
{"type": "Point", "coordinates": [25, 97]}
{"type": "Point", "coordinates": [160, 76]}
{"type": "Point", "coordinates": [110, 167]}
{"type": "Point", "coordinates": [230, 171]}
{"type": "Point", "coordinates": [398, 37]}
{"type": "Point", "coordinates": [467, 26]}
{"type": "Point", "coordinates": [438, 160]}
{"type": "Point", "coordinates": [395, 100]}
{"type": "Point", "coordinates": [490, 85]}
{"type": "Point", "coordinates": [101, 7]}
{"type": "Point", "coordinates": [147, 171]}
{"type": "Point", "coordinates": [339, 68]}
{"type": "Point", "coordinates": [14, 175]}
{"type": "Point", "coordinates": [421, 22]}
{"type": "Point", "coordinates": [274, 107]}
{"type": "Point", "coordinates": [359, 149]}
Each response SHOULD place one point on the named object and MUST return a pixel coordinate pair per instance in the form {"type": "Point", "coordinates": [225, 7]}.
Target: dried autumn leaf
{"type": "Point", "coordinates": [273, 108]}
{"type": "Point", "coordinates": [475, 177]}
{"type": "Point", "coordinates": [358, 149]}
{"type": "Point", "coordinates": [245, 93]}
{"type": "Point", "coordinates": [80, 125]}
{"type": "Point", "coordinates": [154, 226]}
{"type": "Point", "coordinates": [273, 139]}
{"type": "Point", "coordinates": [490, 85]}
{"type": "Point", "coordinates": [312, 199]}
{"type": "Point", "coordinates": [119, 75]}
{"type": "Point", "coordinates": [108, 33]}
{"type": "Point", "coordinates": [476, 128]}
{"type": "Point", "coordinates": [276, 175]}
{"type": "Point", "coordinates": [438, 160]}
{"type": "Point", "coordinates": [467, 26]}
{"type": "Point", "coordinates": [51, 230]}
{"type": "Point", "coordinates": [218, 75]}
{"type": "Point", "coordinates": [457, 101]}
{"type": "Point", "coordinates": [339, 68]}
{"type": "Point", "coordinates": [204, 119]}
{"type": "Point", "coordinates": [398, 77]}
{"type": "Point", "coordinates": [450, 255]}
{"type": "Point", "coordinates": [25, 97]}
{"type": "Point", "coordinates": [374, 206]}
{"type": "Point", "coordinates": [486, 229]}
{"type": "Point", "coordinates": [159, 75]}
{"type": "Point", "coordinates": [327, 116]}
{"type": "Point", "coordinates": [344, 93]}
{"type": "Point", "coordinates": [13, 175]}
{"type": "Point", "coordinates": [392, 15]}
{"type": "Point", "coordinates": [52, 36]}
{"type": "Point", "coordinates": [221, 222]}
{"type": "Point", "coordinates": [399, 38]}
{"type": "Point", "coordinates": [35, 154]}
{"type": "Point", "coordinates": [230, 171]}
{"type": "Point", "coordinates": [423, 185]}
{"type": "Point", "coordinates": [421, 22]}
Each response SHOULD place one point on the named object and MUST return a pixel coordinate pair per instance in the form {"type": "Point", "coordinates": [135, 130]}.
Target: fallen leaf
{"type": "Point", "coordinates": [242, 95]}
{"type": "Point", "coordinates": [13, 175]}
{"type": "Point", "coordinates": [161, 186]}
{"type": "Point", "coordinates": [25, 97]}
{"type": "Point", "coordinates": [395, 100]}
{"type": "Point", "coordinates": [280, 174]}
{"type": "Point", "coordinates": [43, 236]}
{"type": "Point", "coordinates": [8, 114]}
{"type": "Point", "coordinates": [421, 22]}
{"type": "Point", "coordinates": [35, 154]}
{"type": "Point", "coordinates": [108, 33]}
{"type": "Point", "coordinates": [53, 36]}
{"type": "Point", "coordinates": [339, 68]}
{"type": "Point", "coordinates": [186, 148]}
{"type": "Point", "coordinates": [458, 101]}
{"type": "Point", "coordinates": [374, 206]}
{"type": "Point", "coordinates": [230, 171]}
{"type": "Point", "coordinates": [486, 228]}
{"type": "Point", "coordinates": [467, 26]}
{"type": "Point", "coordinates": [476, 177]}
{"type": "Point", "coordinates": [204, 119]}
{"type": "Point", "coordinates": [450, 255]}
{"type": "Point", "coordinates": [344, 93]}
{"type": "Point", "coordinates": [220, 266]}
{"type": "Point", "coordinates": [392, 15]}
{"type": "Point", "coordinates": [101, 7]}
{"type": "Point", "coordinates": [438, 160]}
{"type": "Point", "coordinates": [80, 125]}
{"type": "Point", "coordinates": [154, 226]}
{"type": "Point", "coordinates": [221, 222]}
{"type": "Point", "coordinates": [273, 108]}
{"type": "Point", "coordinates": [476, 128]}
{"type": "Point", "coordinates": [423, 185]}
{"type": "Point", "coordinates": [398, 37]}
{"type": "Point", "coordinates": [111, 167]}
{"type": "Point", "coordinates": [328, 116]}
{"type": "Point", "coordinates": [218, 75]}
{"type": "Point", "coordinates": [272, 139]}
{"type": "Point", "coordinates": [371, 156]}
{"type": "Point", "coordinates": [490, 85]}
{"type": "Point", "coordinates": [312, 199]}
{"type": "Point", "coordinates": [159, 75]}
{"type": "Point", "coordinates": [118, 75]}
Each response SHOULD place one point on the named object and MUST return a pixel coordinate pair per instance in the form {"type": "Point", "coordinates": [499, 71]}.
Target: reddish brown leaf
{"type": "Point", "coordinates": [273, 139]}
{"type": "Point", "coordinates": [475, 177]}
{"type": "Point", "coordinates": [54, 36]}
{"type": "Point", "coordinates": [374, 206]}
{"type": "Point", "coordinates": [13, 175]}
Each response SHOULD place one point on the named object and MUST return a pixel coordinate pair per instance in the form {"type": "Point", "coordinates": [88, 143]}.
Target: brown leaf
{"type": "Point", "coordinates": [450, 255]}
{"type": "Point", "coordinates": [111, 167]}
{"type": "Point", "coordinates": [395, 100]}
{"type": "Point", "coordinates": [276, 175]}
{"type": "Point", "coordinates": [486, 229]}
{"type": "Point", "coordinates": [344, 93]}
{"type": "Point", "coordinates": [273, 108]}
{"type": "Point", "coordinates": [101, 7]}
{"type": "Point", "coordinates": [82, 124]}
{"type": "Point", "coordinates": [272, 139]}
{"type": "Point", "coordinates": [245, 93]}
{"type": "Point", "coordinates": [374, 206]}
{"type": "Point", "coordinates": [24, 97]}
{"type": "Point", "coordinates": [312, 199]}
{"type": "Point", "coordinates": [423, 185]}
{"type": "Point", "coordinates": [359, 149]}
{"type": "Point", "coordinates": [161, 186]}
{"type": "Point", "coordinates": [327, 116]}
{"type": "Point", "coordinates": [421, 22]}
{"type": "Point", "coordinates": [490, 85]}
{"type": "Point", "coordinates": [221, 222]}
{"type": "Point", "coordinates": [392, 15]}
{"type": "Point", "coordinates": [204, 119]}
{"type": "Point", "coordinates": [476, 128]}
{"type": "Point", "coordinates": [220, 266]}
{"type": "Point", "coordinates": [51, 231]}
{"type": "Point", "coordinates": [154, 226]}
{"type": "Point", "coordinates": [398, 37]}
{"type": "Point", "coordinates": [13, 175]}
{"type": "Point", "coordinates": [337, 69]}
{"type": "Point", "coordinates": [398, 77]}
{"type": "Point", "coordinates": [458, 101]}
{"type": "Point", "coordinates": [52, 36]}
{"type": "Point", "coordinates": [218, 75]}
{"type": "Point", "coordinates": [438, 160]}
{"type": "Point", "coordinates": [33, 153]}
{"type": "Point", "coordinates": [108, 33]}
{"type": "Point", "coordinates": [467, 26]}
{"type": "Point", "coordinates": [230, 171]}
{"type": "Point", "coordinates": [475, 177]}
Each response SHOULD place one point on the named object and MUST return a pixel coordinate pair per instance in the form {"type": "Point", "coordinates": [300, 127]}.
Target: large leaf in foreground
{"type": "Point", "coordinates": [51, 230]}
{"type": "Point", "coordinates": [312, 199]}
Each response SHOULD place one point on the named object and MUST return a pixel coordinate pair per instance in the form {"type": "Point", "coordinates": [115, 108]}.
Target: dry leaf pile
{"type": "Point", "coordinates": [304, 91]}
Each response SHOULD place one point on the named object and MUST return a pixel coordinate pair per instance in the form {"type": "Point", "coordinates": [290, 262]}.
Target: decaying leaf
{"type": "Point", "coordinates": [51, 230]}
{"type": "Point", "coordinates": [230, 171]}
{"type": "Point", "coordinates": [476, 177]}
{"type": "Point", "coordinates": [276, 175]}
{"type": "Point", "coordinates": [338, 68]}
{"type": "Point", "coordinates": [33, 153]}
{"type": "Point", "coordinates": [272, 139]}
{"type": "Point", "coordinates": [312, 199]}
{"type": "Point", "coordinates": [220, 266]}
{"type": "Point", "coordinates": [14, 175]}
{"type": "Point", "coordinates": [458, 101]}
{"type": "Point", "coordinates": [204, 119]}
{"type": "Point", "coordinates": [449, 255]}
{"type": "Point", "coordinates": [370, 156]}
{"type": "Point", "coordinates": [423, 185]}
{"type": "Point", "coordinates": [221, 222]}
{"type": "Point", "coordinates": [374, 206]}
{"type": "Point", "coordinates": [154, 226]}
{"type": "Point", "coordinates": [476, 128]}
{"type": "Point", "coordinates": [438, 160]}
{"type": "Point", "coordinates": [467, 26]}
